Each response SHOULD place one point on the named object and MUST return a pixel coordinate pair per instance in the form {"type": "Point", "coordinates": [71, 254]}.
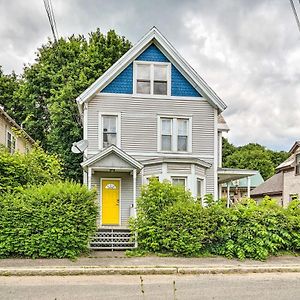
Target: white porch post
{"type": "Point", "coordinates": [248, 186]}
{"type": "Point", "coordinates": [228, 194]}
{"type": "Point", "coordinates": [134, 192]}
{"type": "Point", "coordinates": [89, 178]}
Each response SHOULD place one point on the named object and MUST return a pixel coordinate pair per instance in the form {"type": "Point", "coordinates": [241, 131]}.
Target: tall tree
{"type": "Point", "coordinates": [252, 156]}
{"type": "Point", "coordinates": [49, 87]}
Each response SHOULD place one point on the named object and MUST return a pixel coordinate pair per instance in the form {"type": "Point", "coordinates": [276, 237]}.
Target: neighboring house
{"type": "Point", "coordinates": [238, 189]}
{"type": "Point", "coordinates": [151, 115]}
{"type": "Point", "coordinates": [12, 135]}
{"type": "Point", "coordinates": [285, 184]}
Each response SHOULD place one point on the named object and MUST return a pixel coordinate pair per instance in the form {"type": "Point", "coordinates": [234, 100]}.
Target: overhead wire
{"type": "Point", "coordinates": [295, 13]}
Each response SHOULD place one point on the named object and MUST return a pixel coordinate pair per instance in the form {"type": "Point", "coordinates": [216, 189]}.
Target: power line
{"type": "Point", "coordinates": [51, 18]}
{"type": "Point", "coordinates": [295, 13]}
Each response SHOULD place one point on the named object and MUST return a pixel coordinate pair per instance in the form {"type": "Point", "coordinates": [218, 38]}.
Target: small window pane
{"type": "Point", "coordinates": [143, 87]}
{"type": "Point", "coordinates": [182, 143]}
{"type": "Point", "coordinates": [166, 143]}
{"type": "Point", "coordinates": [178, 181]}
{"type": "Point", "coordinates": [160, 73]}
{"type": "Point", "coordinates": [298, 159]}
{"type": "Point", "coordinates": [109, 130]}
{"type": "Point", "coordinates": [160, 88]}
{"type": "Point", "coordinates": [166, 126]}
{"type": "Point", "coordinates": [182, 126]}
{"type": "Point", "coordinates": [110, 124]}
{"type": "Point", "coordinates": [143, 72]}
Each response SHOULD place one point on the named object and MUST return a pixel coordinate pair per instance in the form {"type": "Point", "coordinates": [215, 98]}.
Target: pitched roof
{"type": "Point", "coordinates": [15, 124]}
{"type": "Point", "coordinates": [295, 146]}
{"type": "Point", "coordinates": [112, 149]}
{"type": "Point", "coordinates": [272, 186]}
{"type": "Point", "coordinates": [153, 36]}
{"type": "Point", "coordinates": [222, 125]}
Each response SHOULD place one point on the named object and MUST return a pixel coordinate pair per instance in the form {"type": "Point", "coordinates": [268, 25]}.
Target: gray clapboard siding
{"type": "Point", "coordinates": [126, 192]}
{"type": "Point", "coordinates": [200, 171]}
{"type": "Point", "coordinates": [179, 168]}
{"type": "Point", "coordinates": [153, 169]}
{"type": "Point", "coordinates": [210, 178]}
{"type": "Point", "coordinates": [139, 121]}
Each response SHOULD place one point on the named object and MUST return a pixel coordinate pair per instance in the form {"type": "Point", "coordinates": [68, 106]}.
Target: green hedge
{"type": "Point", "coordinates": [169, 220]}
{"type": "Point", "coordinates": [54, 220]}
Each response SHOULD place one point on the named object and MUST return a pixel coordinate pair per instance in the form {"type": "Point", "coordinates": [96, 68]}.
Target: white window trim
{"type": "Point", "coordinates": [152, 63]}
{"type": "Point", "coordinates": [6, 140]}
{"type": "Point", "coordinates": [100, 128]}
{"type": "Point", "coordinates": [174, 133]}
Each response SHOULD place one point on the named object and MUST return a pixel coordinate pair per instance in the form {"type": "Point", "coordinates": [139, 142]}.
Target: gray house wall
{"type": "Point", "coordinates": [291, 185]}
{"type": "Point", "coordinates": [139, 118]}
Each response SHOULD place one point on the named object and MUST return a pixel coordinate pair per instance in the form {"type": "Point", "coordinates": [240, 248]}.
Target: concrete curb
{"type": "Point", "coordinates": [85, 270]}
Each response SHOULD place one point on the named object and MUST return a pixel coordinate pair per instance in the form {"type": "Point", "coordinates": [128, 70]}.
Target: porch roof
{"type": "Point", "coordinates": [112, 150]}
{"type": "Point", "coordinates": [229, 174]}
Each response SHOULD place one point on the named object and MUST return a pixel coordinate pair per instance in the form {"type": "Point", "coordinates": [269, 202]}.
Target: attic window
{"type": "Point", "coordinates": [297, 167]}
{"type": "Point", "coordinates": [152, 78]}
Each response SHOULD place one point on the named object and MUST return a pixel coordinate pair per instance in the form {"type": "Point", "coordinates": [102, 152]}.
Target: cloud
{"type": "Point", "coordinates": [248, 51]}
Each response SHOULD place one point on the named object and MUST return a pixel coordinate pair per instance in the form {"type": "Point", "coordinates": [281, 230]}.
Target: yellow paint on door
{"type": "Point", "coordinates": [110, 202]}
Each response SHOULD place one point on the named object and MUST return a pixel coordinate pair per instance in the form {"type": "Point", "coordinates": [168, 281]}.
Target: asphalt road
{"type": "Point", "coordinates": [246, 286]}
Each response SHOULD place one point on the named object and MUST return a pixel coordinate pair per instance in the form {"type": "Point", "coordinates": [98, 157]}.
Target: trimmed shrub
{"type": "Point", "coordinates": [155, 197]}
{"type": "Point", "coordinates": [54, 220]}
{"type": "Point", "coordinates": [33, 168]}
{"type": "Point", "coordinates": [169, 220]}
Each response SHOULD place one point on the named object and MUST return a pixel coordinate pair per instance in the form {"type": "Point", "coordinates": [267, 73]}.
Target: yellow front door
{"type": "Point", "coordinates": [110, 202]}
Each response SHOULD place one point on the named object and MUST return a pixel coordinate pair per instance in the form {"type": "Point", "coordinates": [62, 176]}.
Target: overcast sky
{"type": "Point", "coordinates": [248, 51]}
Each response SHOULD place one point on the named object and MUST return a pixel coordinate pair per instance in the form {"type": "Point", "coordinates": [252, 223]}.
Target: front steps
{"type": "Point", "coordinates": [112, 239]}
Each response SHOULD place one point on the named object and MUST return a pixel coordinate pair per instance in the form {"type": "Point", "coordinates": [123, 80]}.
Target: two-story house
{"type": "Point", "coordinates": [12, 136]}
{"type": "Point", "coordinates": [151, 114]}
{"type": "Point", "coordinates": [285, 184]}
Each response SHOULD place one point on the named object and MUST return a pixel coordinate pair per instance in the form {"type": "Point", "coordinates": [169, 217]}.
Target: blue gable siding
{"type": "Point", "coordinates": [152, 53]}
{"type": "Point", "coordinates": [180, 86]}
{"type": "Point", "coordinates": [123, 83]}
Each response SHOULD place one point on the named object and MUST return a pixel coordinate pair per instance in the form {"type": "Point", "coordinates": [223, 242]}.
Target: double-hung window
{"type": "Point", "coordinates": [297, 166]}
{"type": "Point", "coordinates": [109, 134]}
{"type": "Point", "coordinates": [174, 134]}
{"type": "Point", "coordinates": [10, 142]}
{"type": "Point", "coordinates": [152, 78]}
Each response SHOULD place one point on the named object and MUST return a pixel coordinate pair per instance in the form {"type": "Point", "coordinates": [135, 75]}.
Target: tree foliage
{"type": "Point", "coordinates": [252, 156]}
{"type": "Point", "coordinates": [48, 88]}
{"type": "Point", "coordinates": [23, 170]}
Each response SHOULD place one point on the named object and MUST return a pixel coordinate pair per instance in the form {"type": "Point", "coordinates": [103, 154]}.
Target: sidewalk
{"type": "Point", "coordinates": [105, 263]}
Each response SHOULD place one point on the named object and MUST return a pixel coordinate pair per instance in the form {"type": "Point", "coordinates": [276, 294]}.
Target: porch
{"type": "Point", "coordinates": [116, 177]}
{"type": "Point", "coordinates": [228, 175]}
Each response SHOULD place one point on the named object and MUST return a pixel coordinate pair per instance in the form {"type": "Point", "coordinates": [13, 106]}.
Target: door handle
{"type": "Point", "coordinates": [118, 201]}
